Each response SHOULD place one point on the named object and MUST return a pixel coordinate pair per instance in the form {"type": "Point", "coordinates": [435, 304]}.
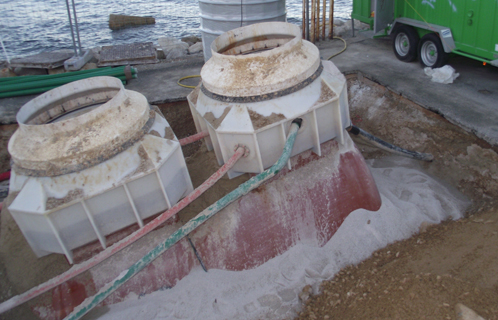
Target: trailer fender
{"type": "Point", "coordinates": [444, 32]}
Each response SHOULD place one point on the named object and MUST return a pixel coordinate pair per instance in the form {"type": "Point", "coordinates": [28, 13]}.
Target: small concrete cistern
{"type": "Point", "coordinates": [91, 158]}
{"type": "Point", "coordinates": [259, 79]}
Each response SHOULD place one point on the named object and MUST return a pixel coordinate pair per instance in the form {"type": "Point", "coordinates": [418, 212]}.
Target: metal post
{"type": "Point", "coordinates": [313, 21]}
{"type": "Point", "coordinates": [77, 29]}
{"type": "Point", "coordinates": [304, 20]}
{"type": "Point", "coordinates": [324, 18]}
{"type": "Point", "coordinates": [352, 25]}
{"type": "Point", "coordinates": [5, 51]}
{"type": "Point", "coordinates": [308, 20]}
{"type": "Point", "coordinates": [317, 31]}
{"type": "Point", "coordinates": [71, 26]}
{"type": "Point", "coordinates": [331, 20]}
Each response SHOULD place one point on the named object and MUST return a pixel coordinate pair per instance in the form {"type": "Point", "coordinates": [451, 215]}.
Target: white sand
{"type": "Point", "coordinates": [409, 197]}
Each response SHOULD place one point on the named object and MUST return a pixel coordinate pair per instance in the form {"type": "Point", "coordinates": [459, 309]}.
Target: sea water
{"type": "Point", "coordinates": [33, 26]}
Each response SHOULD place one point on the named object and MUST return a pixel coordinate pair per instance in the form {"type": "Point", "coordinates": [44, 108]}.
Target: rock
{"type": "Point", "coordinates": [465, 313]}
{"type": "Point", "coordinates": [423, 226]}
{"type": "Point", "coordinates": [56, 70]}
{"type": "Point", "coordinates": [338, 22]}
{"type": "Point", "coordinates": [6, 72]}
{"type": "Point", "coordinates": [119, 21]}
{"type": "Point", "coordinates": [197, 47]}
{"type": "Point", "coordinates": [29, 71]}
{"type": "Point", "coordinates": [305, 293]}
{"type": "Point", "coordinates": [169, 44]}
{"type": "Point", "coordinates": [176, 53]}
{"type": "Point", "coordinates": [96, 54]}
{"type": "Point", "coordinates": [341, 30]}
{"type": "Point", "coordinates": [287, 295]}
{"type": "Point", "coordinates": [160, 54]}
{"type": "Point", "coordinates": [271, 301]}
{"type": "Point", "coordinates": [166, 41]}
{"type": "Point", "coordinates": [250, 307]}
{"type": "Point", "coordinates": [89, 66]}
{"type": "Point", "coordinates": [191, 40]}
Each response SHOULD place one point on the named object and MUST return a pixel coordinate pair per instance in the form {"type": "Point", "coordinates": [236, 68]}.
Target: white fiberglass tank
{"type": "Point", "coordinates": [91, 158]}
{"type": "Point", "coordinates": [259, 79]}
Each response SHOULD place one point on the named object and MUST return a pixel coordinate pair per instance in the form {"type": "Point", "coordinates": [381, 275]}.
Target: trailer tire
{"type": "Point", "coordinates": [405, 43]}
{"type": "Point", "coordinates": [431, 51]}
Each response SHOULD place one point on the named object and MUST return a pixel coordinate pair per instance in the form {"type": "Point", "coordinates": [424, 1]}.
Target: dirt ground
{"type": "Point", "coordinates": [21, 270]}
{"type": "Point", "coordinates": [426, 276]}
{"type": "Point", "coordinates": [423, 277]}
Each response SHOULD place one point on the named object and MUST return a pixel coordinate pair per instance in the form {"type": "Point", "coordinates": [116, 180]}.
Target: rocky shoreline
{"type": "Point", "coordinates": [166, 48]}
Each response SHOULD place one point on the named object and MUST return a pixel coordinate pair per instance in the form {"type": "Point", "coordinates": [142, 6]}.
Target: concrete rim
{"type": "Point", "coordinates": [259, 59]}
{"type": "Point", "coordinates": [85, 140]}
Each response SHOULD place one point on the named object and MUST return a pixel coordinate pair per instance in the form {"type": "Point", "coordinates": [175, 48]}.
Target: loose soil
{"type": "Point", "coordinates": [423, 277]}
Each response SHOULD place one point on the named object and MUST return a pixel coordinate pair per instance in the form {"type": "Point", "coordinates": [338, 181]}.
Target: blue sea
{"type": "Point", "coordinates": [33, 26]}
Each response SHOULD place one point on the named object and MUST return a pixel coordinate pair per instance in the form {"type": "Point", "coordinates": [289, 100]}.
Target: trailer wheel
{"type": "Point", "coordinates": [431, 51]}
{"type": "Point", "coordinates": [405, 43]}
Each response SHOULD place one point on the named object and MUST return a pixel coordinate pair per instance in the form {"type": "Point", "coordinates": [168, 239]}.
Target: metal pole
{"type": "Point", "coordinates": [304, 20]}
{"type": "Point", "coordinates": [77, 29]}
{"type": "Point", "coordinates": [313, 21]}
{"type": "Point", "coordinates": [5, 51]}
{"type": "Point", "coordinates": [308, 20]}
{"type": "Point", "coordinates": [331, 20]}
{"type": "Point", "coordinates": [71, 26]}
{"type": "Point", "coordinates": [324, 18]}
{"type": "Point", "coordinates": [317, 32]}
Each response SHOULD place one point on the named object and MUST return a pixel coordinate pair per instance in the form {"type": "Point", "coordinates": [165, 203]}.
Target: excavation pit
{"type": "Point", "coordinates": [461, 160]}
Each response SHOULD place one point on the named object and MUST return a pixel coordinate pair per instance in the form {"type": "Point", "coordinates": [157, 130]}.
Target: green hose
{"type": "Point", "coordinates": [59, 81]}
{"type": "Point", "coordinates": [179, 234]}
{"type": "Point", "coordinates": [29, 91]}
{"type": "Point", "coordinates": [11, 80]}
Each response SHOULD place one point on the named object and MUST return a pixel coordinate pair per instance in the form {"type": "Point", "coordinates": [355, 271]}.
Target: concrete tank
{"type": "Point", "coordinates": [258, 80]}
{"type": "Point", "coordinates": [90, 158]}
{"type": "Point", "coordinates": [217, 17]}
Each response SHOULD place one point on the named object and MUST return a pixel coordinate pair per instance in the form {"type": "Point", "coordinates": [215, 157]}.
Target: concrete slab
{"type": "Point", "coordinates": [132, 53]}
{"type": "Point", "coordinates": [158, 82]}
{"type": "Point", "coordinates": [44, 60]}
{"type": "Point", "coordinates": [471, 102]}
{"type": "Point", "coordinates": [10, 106]}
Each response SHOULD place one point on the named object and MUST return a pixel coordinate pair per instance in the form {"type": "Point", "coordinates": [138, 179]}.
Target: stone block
{"type": "Point", "coordinates": [195, 48]}
{"type": "Point", "coordinates": [119, 21]}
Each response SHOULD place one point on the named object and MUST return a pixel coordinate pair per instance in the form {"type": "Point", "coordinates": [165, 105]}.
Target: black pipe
{"type": "Point", "coordinates": [197, 254]}
{"type": "Point", "coordinates": [387, 146]}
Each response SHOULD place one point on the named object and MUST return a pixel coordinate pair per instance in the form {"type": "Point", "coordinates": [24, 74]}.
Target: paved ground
{"type": "Point", "coordinates": [470, 102]}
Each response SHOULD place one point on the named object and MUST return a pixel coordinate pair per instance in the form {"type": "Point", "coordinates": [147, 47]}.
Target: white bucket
{"type": "Point", "coordinates": [218, 17]}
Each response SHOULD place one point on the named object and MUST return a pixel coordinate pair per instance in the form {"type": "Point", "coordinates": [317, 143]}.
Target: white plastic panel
{"type": "Point", "coordinates": [100, 204]}
{"type": "Point", "coordinates": [147, 195]}
{"type": "Point", "coordinates": [268, 141]}
{"type": "Point", "coordinates": [173, 175]}
{"type": "Point", "coordinates": [37, 232]}
{"type": "Point", "coordinates": [111, 210]}
{"type": "Point", "coordinates": [260, 126]}
{"type": "Point", "coordinates": [74, 227]}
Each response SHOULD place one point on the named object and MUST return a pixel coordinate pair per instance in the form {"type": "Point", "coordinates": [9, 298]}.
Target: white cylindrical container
{"type": "Point", "coordinates": [259, 79]}
{"type": "Point", "coordinates": [218, 16]}
{"type": "Point", "coordinates": [91, 158]}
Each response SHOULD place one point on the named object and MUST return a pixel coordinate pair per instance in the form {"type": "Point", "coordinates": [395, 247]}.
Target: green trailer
{"type": "Point", "coordinates": [432, 29]}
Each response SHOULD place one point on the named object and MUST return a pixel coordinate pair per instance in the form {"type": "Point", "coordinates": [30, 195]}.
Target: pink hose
{"type": "Point", "coordinates": [84, 266]}
{"type": "Point", "coordinates": [194, 138]}
{"type": "Point", "coordinates": [5, 176]}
